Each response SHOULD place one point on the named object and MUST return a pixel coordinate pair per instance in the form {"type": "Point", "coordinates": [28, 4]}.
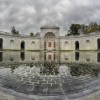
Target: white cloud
{"type": "Point", "coordinates": [29, 15]}
{"type": "Point", "coordinates": [29, 10]}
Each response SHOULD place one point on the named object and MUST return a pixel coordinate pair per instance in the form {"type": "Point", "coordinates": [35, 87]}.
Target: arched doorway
{"type": "Point", "coordinates": [1, 43]}
{"type": "Point", "coordinates": [49, 41]}
{"type": "Point", "coordinates": [76, 45]}
{"type": "Point", "coordinates": [22, 46]}
{"type": "Point", "coordinates": [98, 44]}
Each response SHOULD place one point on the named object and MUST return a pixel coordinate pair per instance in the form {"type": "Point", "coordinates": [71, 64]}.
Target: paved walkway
{"type": "Point", "coordinates": [38, 84]}
{"type": "Point", "coordinates": [94, 96]}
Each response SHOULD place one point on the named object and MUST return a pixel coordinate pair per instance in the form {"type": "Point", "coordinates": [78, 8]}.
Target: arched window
{"type": "Point", "coordinates": [12, 44]}
{"type": "Point", "coordinates": [33, 42]}
{"type": "Point", "coordinates": [11, 41]}
{"type": "Point", "coordinates": [32, 45]}
{"type": "Point", "coordinates": [87, 41]}
{"type": "Point", "coordinates": [49, 35]}
{"type": "Point", "coordinates": [88, 44]}
{"type": "Point", "coordinates": [66, 42]}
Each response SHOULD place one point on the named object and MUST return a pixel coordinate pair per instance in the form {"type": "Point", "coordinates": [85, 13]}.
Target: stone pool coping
{"type": "Point", "coordinates": [76, 96]}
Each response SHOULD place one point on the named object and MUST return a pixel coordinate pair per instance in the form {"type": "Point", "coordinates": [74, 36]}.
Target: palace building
{"type": "Point", "coordinates": [49, 40]}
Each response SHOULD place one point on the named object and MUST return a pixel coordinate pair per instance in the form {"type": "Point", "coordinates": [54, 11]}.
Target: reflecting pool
{"type": "Point", "coordinates": [52, 75]}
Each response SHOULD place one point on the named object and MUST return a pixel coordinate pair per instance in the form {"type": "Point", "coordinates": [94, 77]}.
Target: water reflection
{"type": "Point", "coordinates": [51, 73]}
{"type": "Point", "coordinates": [87, 59]}
{"type": "Point", "coordinates": [51, 56]}
{"type": "Point", "coordinates": [1, 56]}
{"type": "Point", "coordinates": [49, 68]}
{"type": "Point", "coordinates": [58, 57]}
{"type": "Point", "coordinates": [22, 56]}
{"type": "Point", "coordinates": [77, 56]}
{"type": "Point", "coordinates": [98, 56]}
{"type": "Point", "coordinates": [84, 69]}
{"type": "Point", "coordinates": [13, 67]}
{"type": "Point", "coordinates": [11, 57]}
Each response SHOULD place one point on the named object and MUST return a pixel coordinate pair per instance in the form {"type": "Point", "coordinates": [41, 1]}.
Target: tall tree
{"type": "Point", "coordinates": [31, 34]}
{"type": "Point", "coordinates": [14, 31]}
{"type": "Point", "coordinates": [74, 29]}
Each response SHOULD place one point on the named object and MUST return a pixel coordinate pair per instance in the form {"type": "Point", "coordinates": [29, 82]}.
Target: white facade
{"type": "Point", "coordinates": [49, 40]}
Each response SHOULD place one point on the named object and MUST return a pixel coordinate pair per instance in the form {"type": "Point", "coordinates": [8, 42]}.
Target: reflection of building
{"type": "Point", "coordinates": [57, 57]}
{"type": "Point", "coordinates": [50, 56]}
{"type": "Point", "coordinates": [49, 40]}
{"type": "Point", "coordinates": [49, 69]}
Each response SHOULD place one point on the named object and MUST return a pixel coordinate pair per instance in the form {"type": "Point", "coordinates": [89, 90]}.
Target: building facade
{"type": "Point", "coordinates": [49, 40]}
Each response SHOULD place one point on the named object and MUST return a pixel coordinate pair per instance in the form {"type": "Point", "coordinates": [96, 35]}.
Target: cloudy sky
{"type": "Point", "coordinates": [29, 15]}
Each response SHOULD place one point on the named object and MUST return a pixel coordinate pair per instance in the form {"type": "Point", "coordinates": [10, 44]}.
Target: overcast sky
{"type": "Point", "coordinates": [29, 15]}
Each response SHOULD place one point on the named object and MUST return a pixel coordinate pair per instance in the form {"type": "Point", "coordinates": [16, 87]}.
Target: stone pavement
{"type": "Point", "coordinates": [94, 96]}
{"type": "Point", "coordinates": [45, 86]}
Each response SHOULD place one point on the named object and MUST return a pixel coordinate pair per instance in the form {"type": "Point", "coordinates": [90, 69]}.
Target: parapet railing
{"type": "Point", "coordinates": [19, 35]}
{"type": "Point", "coordinates": [82, 35]}
{"type": "Point", "coordinates": [28, 36]}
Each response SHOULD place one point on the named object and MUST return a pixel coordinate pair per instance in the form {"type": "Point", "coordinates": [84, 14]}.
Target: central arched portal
{"type": "Point", "coordinates": [49, 41]}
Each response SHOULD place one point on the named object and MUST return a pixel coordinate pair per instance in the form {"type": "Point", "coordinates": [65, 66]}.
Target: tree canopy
{"type": "Point", "coordinates": [75, 29]}
{"type": "Point", "coordinates": [31, 34]}
{"type": "Point", "coordinates": [14, 31]}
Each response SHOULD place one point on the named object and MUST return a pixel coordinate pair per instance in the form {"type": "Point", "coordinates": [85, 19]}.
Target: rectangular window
{"type": "Point", "coordinates": [54, 44]}
{"type": "Point", "coordinates": [49, 44]}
